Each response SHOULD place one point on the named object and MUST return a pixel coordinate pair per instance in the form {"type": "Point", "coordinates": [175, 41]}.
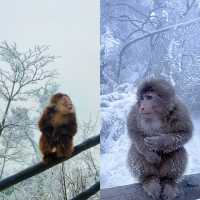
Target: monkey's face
{"type": "Point", "coordinates": [150, 105]}
{"type": "Point", "coordinates": [65, 103]}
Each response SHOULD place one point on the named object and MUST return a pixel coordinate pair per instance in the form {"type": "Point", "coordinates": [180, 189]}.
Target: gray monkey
{"type": "Point", "coordinates": [158, 126]}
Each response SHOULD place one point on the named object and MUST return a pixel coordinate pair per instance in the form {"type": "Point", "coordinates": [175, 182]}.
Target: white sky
{"type": "Point", "coordinates": [72, 30]}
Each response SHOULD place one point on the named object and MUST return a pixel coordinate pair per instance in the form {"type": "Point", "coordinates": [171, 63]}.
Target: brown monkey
{"type": "Point", "coordinates": [158, 126]}
{"type": "Point", "coordinates": [58, 126]}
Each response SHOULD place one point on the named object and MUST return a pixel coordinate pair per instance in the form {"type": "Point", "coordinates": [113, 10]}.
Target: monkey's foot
{"type": "Point", "coordinates": [170, 191]}
{"type": "Point", "coordinates": [49, 158]}
{"type": "Point", "coordinates": [53, 150]}
{"type": "Point", "coordinates": [63, 151]}
{"type": "Point", "coordinates": [152, 187]}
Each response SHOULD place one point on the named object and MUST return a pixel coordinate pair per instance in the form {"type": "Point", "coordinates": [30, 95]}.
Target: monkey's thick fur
{"type": "Point", "coordinates": [58, 128]}
{"type": "Point", "coordinates": [158, 170]}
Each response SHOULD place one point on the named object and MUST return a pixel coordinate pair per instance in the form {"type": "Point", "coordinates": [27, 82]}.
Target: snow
{"type": "Point", "coordinates": [108, 42]}
{"type": "Point", "coordinates": [193, 150]}
{"type": "Point", "coordinates": [114, 110]}
{"type": "Point", "coordinates": [114, 171]}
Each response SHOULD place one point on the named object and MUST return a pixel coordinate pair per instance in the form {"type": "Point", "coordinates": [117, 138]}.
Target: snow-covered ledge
{"type": "Point", "coordinates": [189, 190]}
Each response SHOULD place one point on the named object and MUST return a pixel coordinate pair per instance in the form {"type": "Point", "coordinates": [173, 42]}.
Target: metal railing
{"type": "Point", "coordinates": [40, 167]}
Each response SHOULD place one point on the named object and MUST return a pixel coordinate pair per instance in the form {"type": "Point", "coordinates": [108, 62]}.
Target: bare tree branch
{"type": "Point", "coordinates": [131, 8]}
{"type": "Point", "coordinates": [189, 6]}
{"type": "Point", "coordinates": [89, 192]}
{"type": "Point", "coordinates": [24, 70]}
{"type": "Point", "coordinates": [129, 43]}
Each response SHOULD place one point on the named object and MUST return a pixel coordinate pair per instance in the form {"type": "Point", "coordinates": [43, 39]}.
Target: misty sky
{"type": "Point", "coordinates": [72, 30]}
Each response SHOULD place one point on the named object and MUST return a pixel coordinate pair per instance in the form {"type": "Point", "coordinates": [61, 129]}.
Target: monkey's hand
{"type": "Point", "coordinates": [157, 143]}
{"type": "Point", "coordinates": [44, 123]}
{"type": "Point", "coordinates": [152, 157]}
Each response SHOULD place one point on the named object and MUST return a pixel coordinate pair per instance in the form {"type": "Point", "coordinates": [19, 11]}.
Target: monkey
{"type": "Point", "coordinates": [158, 126]}
{"type": "Point", "coordinates": [58, 126]}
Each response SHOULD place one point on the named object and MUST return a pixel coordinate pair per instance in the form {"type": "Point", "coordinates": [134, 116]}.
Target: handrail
{"type": "Point", "coordinates": [40, 167]}
{"type": "Point", "coordinates": [189, 189]}
{"type": "Point", "coordinates": [89, 192]}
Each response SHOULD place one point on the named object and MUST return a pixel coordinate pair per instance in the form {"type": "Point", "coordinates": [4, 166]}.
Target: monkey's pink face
{"type": "Point", "coordinates": [66, 101]}
{"type": "Point", "coordinates": [150, 105]}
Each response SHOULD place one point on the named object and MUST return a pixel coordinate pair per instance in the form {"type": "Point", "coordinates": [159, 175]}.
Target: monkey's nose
{"type": "Point", "coordinates": [142, 108]}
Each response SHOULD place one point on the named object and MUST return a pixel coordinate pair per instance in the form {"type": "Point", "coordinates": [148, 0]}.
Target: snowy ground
{"type": "Point", "coordinates": [114, 171]}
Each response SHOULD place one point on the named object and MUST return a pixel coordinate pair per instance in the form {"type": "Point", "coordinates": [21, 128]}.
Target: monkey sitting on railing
{"type": "Point", "coordinates": [58, 126]}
